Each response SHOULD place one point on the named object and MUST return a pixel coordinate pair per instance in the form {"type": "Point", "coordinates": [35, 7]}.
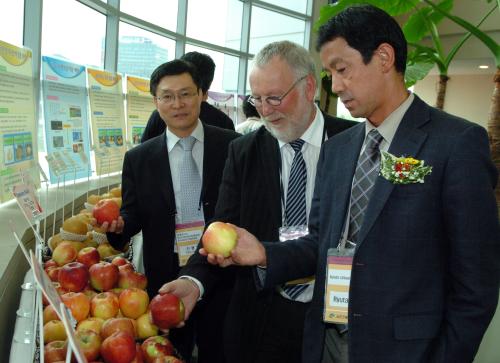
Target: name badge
{"type": "Point", "coordinates": [187, 236]}
{"type": "Point", "coordinates": [338, 280]}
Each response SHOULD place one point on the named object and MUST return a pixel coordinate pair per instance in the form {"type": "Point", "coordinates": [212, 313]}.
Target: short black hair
{"type": "Point", "coordinates": [364, 28]}
{"type": "Point", "coordinates": [248, 109]}
{"type": "Point", "coordinates": [205, 66]}
{"type": "Point", "coordinates": [173, 68]}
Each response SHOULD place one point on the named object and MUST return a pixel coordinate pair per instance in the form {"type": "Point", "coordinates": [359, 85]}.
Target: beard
{"type": "Point", "coordinates": [292, 130]}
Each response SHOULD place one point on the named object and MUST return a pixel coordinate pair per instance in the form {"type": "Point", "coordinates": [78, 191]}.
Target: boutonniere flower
{"type": "Point", "coordinates": [403, 170]}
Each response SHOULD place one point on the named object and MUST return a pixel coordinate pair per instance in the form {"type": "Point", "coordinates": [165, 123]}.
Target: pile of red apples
{"type": "Point", "coordinates": [116, 322]}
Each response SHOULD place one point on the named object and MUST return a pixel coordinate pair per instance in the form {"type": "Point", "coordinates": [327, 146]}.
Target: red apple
{"type": "Point", "coordinates": [93, 323]}
{"type": "Point", "coordinates": [219, 238]}
{"type": "Point", "coordinates": [64, 253]}
{"type": "Point", "coordinates": [118, 348]}
{"type": "Point", "coordinates": [113, 325]}
{"type": "Point", "coordinates": [126, 267]}
{"type": "Point", "coordinates": [133, 302]}
{"type": "Point", "coordinates": [50, 263]}
{"type": "Point", "coordinates": [106, 210]}
{"type": "Point", "coordinates": [120, 261]}
{"type": "Point", "coordinates": [78, 303]}
{"type": "Point", "coordinates": [103, 276]}
{"type": "Point", "coordinates": [167, 311]}
{"type": "Point", "coordinates": [74, 276]}
{"type": "Point", "coordinates": [145, 326]}
{"type": "Point", "coordinates": [49, 314]}
{"type": "Point", "coordinates": [88, 256]}
{"type": "Point", "coordinates": [54, 330]}
{"type": "Point", "coordinates": [54, 351]}
{"type": "Point", "coordinates": [90, 343]}
{"type": "Point", "coordinates": [129, 278]}
{"type": "Point", "coordinates": [155, 347]}
{"type": "Point", "coordinates": [104, 305]}
{"type": "Point", "coordinates": [138, 354]}
{"type": "Point", "coordinates": [53, 273]}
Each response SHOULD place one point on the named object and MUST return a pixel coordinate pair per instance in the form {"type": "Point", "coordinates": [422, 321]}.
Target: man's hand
{"type": "Point", "coordinates": [115, 227]}
{"type": "Point", "coordinates": [248, 252]}
{"type": "Point", "coordinates": [184, 289]}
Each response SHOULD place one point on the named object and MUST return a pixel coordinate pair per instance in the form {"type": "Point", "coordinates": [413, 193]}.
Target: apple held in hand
{"type": "Point", "coordinates": [219, 238]}
{"type": "Point", "coordinates": [167, 311]}
{"type": "Point", "coordinates": [106, 210]}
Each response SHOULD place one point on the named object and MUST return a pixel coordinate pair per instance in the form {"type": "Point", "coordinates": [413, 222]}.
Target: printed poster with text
{"type": "Point", "coordinates": [224, 102]}
{"type": "Point", "coordinates": [139, 107]}
{"type": "Point", "coordinates": [107, 120]}
{"type": "Point", "coordinates": [18, 146]}
{"type": "Point", "coordinates": [66, 118]}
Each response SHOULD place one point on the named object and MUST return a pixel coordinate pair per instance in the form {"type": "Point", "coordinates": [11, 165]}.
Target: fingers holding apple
{"type": "Point", "coordinates": [185, 289]}
{"type": "Point", "coordinates": [248, 251]}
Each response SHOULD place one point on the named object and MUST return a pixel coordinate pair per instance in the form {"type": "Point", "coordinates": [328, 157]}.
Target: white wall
{"type": "Point", "coordinates": [467, 96]}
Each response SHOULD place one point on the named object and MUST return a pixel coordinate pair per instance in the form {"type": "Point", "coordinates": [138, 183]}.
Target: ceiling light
{"type": "Point", "coordinates": [483, 66]}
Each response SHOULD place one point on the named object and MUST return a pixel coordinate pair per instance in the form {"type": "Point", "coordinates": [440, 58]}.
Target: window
{"type": "Point", "coordinates": [11, 26]}
{"type": "Point", "coordinates": [263, 29]}
{"type": "Point", "coordinates": [299, 6]}
{"type": "Point", "coordinates": [215, 22]}
{"type": "Point", "coordinates": [140, 51]}
{"type": "Point", "coordinates": [159, 12]}
{"type": "Point", "coordinates": [78, 36]}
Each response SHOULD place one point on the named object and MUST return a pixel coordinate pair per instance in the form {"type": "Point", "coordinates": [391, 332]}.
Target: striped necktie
{"type": "Point", "coordinates": [295, 211]}
{"type": "Point", "coordinates": [363, 182]}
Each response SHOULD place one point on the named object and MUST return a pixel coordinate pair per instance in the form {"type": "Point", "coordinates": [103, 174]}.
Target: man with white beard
{"type": "Point", "coordinates": [257, 194]}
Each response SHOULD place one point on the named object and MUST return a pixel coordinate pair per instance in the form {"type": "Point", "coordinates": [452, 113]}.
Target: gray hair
{"type": "Point", "coordinates": [297, 57]}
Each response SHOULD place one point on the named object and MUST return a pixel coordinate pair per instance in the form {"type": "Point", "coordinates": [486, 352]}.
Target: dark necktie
{"type": "Point", "coordinates": [295, 211]}
{"type": "Point", "coordinates": [363, 182]}
{"type": "Point", "coordinates": [190, 182]}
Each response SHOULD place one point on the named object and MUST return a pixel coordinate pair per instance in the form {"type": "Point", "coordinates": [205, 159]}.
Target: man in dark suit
{"type": "Point", "coordinates": [421, 279]}
{"type": "Point", "coordinates": [266, 327]}
{"type": "Point", "coordinates": [152, 182]}
{"type": "Point", "coordinates": [209, 114]}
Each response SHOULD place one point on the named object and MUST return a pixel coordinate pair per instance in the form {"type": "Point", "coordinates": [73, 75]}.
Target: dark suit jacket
{"type": "Point", "coordinates": [209, 115]}
{"type": "Point", "coordinates": [149, 202]}
{"type": "Point", "coordinates": [425, 277]}
{"type": "Point", "coordinates": [249, 197]}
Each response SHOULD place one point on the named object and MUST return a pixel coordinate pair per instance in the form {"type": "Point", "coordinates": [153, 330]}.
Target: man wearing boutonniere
{"type": "Point", "coordinates": [403, 229]}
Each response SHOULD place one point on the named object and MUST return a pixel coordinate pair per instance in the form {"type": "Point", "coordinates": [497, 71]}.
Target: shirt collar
{"type": "Point", "coordinates": [389, 126]}
{"type": "Point", "coordinates": [172, 138]}
{"type": "Point", "coordinates": [314, 133]}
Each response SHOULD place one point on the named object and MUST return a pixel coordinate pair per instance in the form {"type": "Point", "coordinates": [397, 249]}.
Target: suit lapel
{"type": "Point", "coordinates": [407, 141]}
{"type": "Point", "coordinates": [270, 159]}
{"type": "Point", "coordinates": [210, 152]}
{"type": "Point", "coordinates": [160, 166]}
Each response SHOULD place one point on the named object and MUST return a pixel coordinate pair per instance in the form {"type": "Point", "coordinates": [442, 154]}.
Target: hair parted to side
{"type": "Point", "coordinates": [205, 66]}
{"type": "Point", "coordinates": [297, 57]}
{"type": "Point", "coordinates": [364, 28]}
{"type": "Point", "coordinates": [173, 68]}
